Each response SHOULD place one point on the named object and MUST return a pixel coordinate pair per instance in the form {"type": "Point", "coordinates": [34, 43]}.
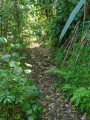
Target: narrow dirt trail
{"type": "Point", "coordinates": [54, 102]}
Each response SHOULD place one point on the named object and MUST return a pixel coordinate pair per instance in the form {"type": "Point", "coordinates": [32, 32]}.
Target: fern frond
{"type": "Point", "coordinates": [56, 71]}
{"type": "Point", "coordinates": [81, 96]}
{"type": "Point", "coordinates": [68, 87]}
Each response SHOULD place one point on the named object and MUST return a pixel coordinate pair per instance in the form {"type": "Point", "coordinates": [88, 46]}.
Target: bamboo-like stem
{"type": "Point", "coordinates": [70, 46]}
{"type": "Point", "coordinates": [80, 51]}
{"type": "Point", "coordinates": [81, 45]}
{"type": "Point", "coordinates": [83, 37]}
{"type": "Point", "coordinates": [67, 42]}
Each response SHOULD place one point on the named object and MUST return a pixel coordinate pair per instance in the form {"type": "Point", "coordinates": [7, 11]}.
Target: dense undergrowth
{"type": "Point", "coordinates": [73, 73]}
{"type": "Point", "coordinates": [18, 93]}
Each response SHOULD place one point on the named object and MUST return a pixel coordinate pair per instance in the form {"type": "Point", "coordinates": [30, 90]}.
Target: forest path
{"type": "Point", "coordinates": [56, 106]}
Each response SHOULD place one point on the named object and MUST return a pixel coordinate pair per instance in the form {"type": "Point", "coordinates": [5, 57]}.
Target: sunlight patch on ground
{"type": "Point", "coordinates": [33, 45]}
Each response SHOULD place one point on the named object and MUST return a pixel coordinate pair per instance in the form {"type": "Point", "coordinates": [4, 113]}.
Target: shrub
{"type": "Point", "coordinates": [18, 94]}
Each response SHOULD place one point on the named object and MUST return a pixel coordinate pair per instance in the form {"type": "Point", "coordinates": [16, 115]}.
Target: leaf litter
{"type": "Point", "coordinates": [56, 106]}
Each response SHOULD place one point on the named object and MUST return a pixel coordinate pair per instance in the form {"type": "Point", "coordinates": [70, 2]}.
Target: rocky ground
{"type": "Point", "coordinates": [56, 106]}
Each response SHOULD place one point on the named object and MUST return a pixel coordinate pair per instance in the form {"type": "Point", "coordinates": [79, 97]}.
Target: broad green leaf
{"type": "Point", "coordinates": [71, 18]}
{"type": "Point", "coordinates": [28, 112]}
{"type": "Point", "coordinates": [18, 45]}
{"type": "Point", "coordinates": [26, 106]}
{"type": "Point", "coordinates": [6, 57]}
{"type": "Point", "coordinates": [15, 54]}
{"type": "Point", "coordinates": [8, 48]}
{"type": "Point", "coordinates": [30, 118]}
{"type": "Point", "coordinates": [18, 69]}
{"type": "Point", "coordinates": [13, 63]}
{"type": "Point", "coordinates": [29, 65]}
{"type": "Point", "coordinates": [40, 109]}
{"type": "Point", "coordinates": [18, 63]}
{"type": "Point", "coordinates": [34, 107]}
{"type": "Point", "coordinates": [3, 40]}
{"type": "Point", "coordinates": [27, 71]}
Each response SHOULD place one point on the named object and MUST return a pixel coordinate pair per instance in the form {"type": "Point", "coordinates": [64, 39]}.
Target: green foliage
{"type": "Point", "coordinates": [81, 97]}
{"type": "Point", "coordinates": [3, 40]}
{"type": "Point", "coordinates": [61, 11]}
{"type": "Point", "coordinates": [6, 57]}
{"type": "Point", "coordinates": [72, 16]}
{"type": "Point", "coordinates": [60, 15]}
{"type": "Point", "coordinates": [18, 94]}
{"type": "Point", "coordinates": [24, 20]}
{"type": "Point", "coordinates": [13, 20]}
{"type": "Point", "coordinates": [73, 73]}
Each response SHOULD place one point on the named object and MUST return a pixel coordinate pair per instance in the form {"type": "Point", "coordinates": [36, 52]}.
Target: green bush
{"type": "Point", "coordinates": [18, 93]}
